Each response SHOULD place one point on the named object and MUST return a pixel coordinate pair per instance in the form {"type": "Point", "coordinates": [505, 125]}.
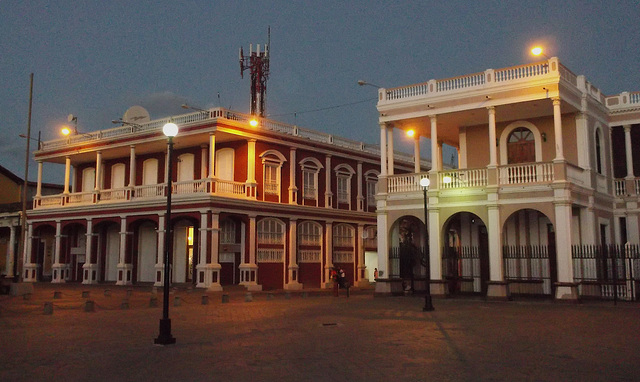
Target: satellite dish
{"type": "Point", "coordinates": [72, 118]}
{"type": "Point", "coordinates": [136, 114]}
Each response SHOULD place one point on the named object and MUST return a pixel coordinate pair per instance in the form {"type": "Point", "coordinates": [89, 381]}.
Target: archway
{"type": "Point", "coordinates": [108, 249]}
{"type": "Point", "coordinates": [232, 248]}
{"type": "Point", "coordinates": [73, 251]}
{"type": "Point", "coordinates": [145, 249]}
{"type": "Point", "coordinates": [529, 253]}
{"type": "Point", "coordinates": [407, 252]}
{"type": "Point", "coordinates": [42, 251]}
{"type": "Point", "coordinates": [465, 254]}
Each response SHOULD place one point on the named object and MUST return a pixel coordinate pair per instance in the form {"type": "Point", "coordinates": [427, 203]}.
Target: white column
{"type": "Point", "coordinates": [29, 271]}
{"type": "Point", "coordinates": [293, 190]}
{"type": "Point", "coordinates": [462, 150]}
{"type": "Point", "coordinates": [203, 161]}
{"type": "Point", "coordinates": [360, 197]}
{"type": "Point", "coordinates": [629, 151]}
{"type": "Point", "coordinates": [215, 248]}
{"type": "Point", "coordinates": [249, 272]}
{"type": "Point", "coordinates": [132, 166]}
{"type": "Point", "coordinates": [497, 287]}
{"type": "Point", "coordinates": [566, 289]}
{"type": "Point", "coordinates": [493, 152]}
{"type": "Point", "coordinates": [383, 249]}
{"type": "Point", "coordinates": [251, 169]}
{"type": "Point", "coordinates": [293, 269]}
{"type": "Point", "coordinates": [328, 195]}
{"type": "Point", "coordinates": [89, 269]}
{"type": "Point", "coordinates": [383, 149]}
{"type": "Point", "coordinates": [98, 171]}
{"type": "Point", "coordinates": [435, 160]}
{"type": "Point", "coordinates": [124, 269]}
{"type": "Point", "coordinates": [159, 267]}
{"type": "Point", "coordinates": [201, 282]}
{"type": "Point", "coordinates": [582, 140]}
{"type": "Point", "coordinates": [11, 255]}
{"type": "Point", "coordinates": [328, 250]}
{"type": "Point", "coordinates": [557, 129]}
{"type": "Point", "coordinates": [57, 267]}
{"type": "Point", "coordinates": [416, 155]}
{"type": "Point", "coordinates": [360, 280]}
{"type": "Point", "coordinates": [212, 155]}
{"type": "Point", "coordinates": [390, 158]}
{"type": "Point", "coordinates": [39, 186]}
{"type": "Point", "coordinates": [67, 173]}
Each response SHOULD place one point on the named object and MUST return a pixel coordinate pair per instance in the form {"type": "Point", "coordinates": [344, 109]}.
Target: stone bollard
{"type": "Point", "coordinates": [57, 294]}
{"type": "Point", "coordinates": [205, 299]}
{"type": "Point", "coordinates": [89, 306]}
{"type": "Point", "coordinates": [177, 301]}
{"type": "Point", "coordinates": [48, 308]}
{"type": "Point", "coordinates": [124, 304]}
{"type": "Point", "coordinates": [269, 296]}
{"type": "Point", "coordinates": [287, 295]}
{"type": "Point", "coordinates": [26, 296]}
{"type": "Point", "coordinates": [129, 291]}
{"type": "Point", "coordinates": [248, 297]}
{"type": "Point", "coordinates": [85, 294]}
{"type": "Point", "coordinates": [305, 294]}
{"type": "Point", "coordinates": [225, 298]}
{"type": "Point", "coordinates": [107, 292]}
{"type": "Point", "coordinates": [153, 301]}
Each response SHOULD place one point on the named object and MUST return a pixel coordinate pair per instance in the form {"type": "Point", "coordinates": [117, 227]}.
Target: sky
{"type": "Point", "coordinates": [95, 59]}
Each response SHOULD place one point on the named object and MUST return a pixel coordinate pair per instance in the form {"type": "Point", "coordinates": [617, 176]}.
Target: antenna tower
{"type": "Point", "coordinates": [258, 64]}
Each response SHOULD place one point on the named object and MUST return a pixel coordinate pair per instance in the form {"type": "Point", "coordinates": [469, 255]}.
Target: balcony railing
{"type": "Point", "coordinates": [463, 178]}
{"type": "Point", "coordinates": [526, 173]}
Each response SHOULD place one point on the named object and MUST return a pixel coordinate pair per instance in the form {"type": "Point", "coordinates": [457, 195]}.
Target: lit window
{"type": "Point", "coordinates": [310, 169]}
{"type": "Point", "coordinates": [272, 161]}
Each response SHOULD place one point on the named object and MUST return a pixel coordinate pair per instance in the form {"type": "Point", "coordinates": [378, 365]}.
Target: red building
{"type": "Point", "coordinates": [272, 206]}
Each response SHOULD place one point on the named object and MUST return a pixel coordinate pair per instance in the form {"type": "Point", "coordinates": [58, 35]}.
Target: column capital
{"type": "Point", "coordinates": [627, 128]}
{"type": "Point", "coordinates": [491, 109]}
{"type": "Point", "coordinates": [556, 100]}
{"type": "Point", "coordinates": [433, 117]}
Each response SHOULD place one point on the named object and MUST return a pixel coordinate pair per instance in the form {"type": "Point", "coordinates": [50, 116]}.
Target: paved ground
{"type": "Point", "coordinates": [316, 337]}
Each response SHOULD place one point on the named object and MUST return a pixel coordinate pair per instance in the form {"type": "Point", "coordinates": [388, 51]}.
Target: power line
{"type": "Point", "coordinates": [324, 108]}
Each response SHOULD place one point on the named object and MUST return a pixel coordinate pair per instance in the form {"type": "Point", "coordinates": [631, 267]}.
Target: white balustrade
{"type": "Point", "coordinates": [526, 173]}
{"type": "Point", "coordinates": [227, 187]}
{"type": "Point", "coordinates": [619, 187]}
{"type": "Point", "coordinates": [637, 186]}
{"type": "Point", "coordinates": [197, 186]}
{"type": "Point", "coordinates": [113, 194]}
{"type": "Point", "coordinates": [404, 183]}
{"type": "Point", "coordinates": [522, 71]}
{"type": "Point", "coordinates": [50, 200]}
{"type": "Point", "coordinates": [464, 178]}
{"type": "Point", "coordinates": [80, 198]}
{"type": "Point", "coordinates": [461, 82]}
{"type": "Point", "coordinates": [149, 191]}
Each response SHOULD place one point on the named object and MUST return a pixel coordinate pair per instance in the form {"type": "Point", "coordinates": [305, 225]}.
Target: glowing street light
{"type": "Point", "coordinates": [253, 122]}
{"type": "Point", "coordinates": [428, 303]}
{"type": "Point", "coordinates": [411, 133]}
{"type": "Point", "coordinates": [164, 337]}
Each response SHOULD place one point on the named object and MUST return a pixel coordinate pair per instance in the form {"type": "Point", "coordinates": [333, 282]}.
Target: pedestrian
{"type": "Point", "coordinates": [375, 273]}
{"type": "Point", "coordinates": [341, 278]}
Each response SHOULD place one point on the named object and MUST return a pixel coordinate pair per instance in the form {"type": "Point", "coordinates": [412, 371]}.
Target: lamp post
{"type": "Point", "coordinates": [428, 304]}
{"type": "Point", "coordinates": [165, 337]}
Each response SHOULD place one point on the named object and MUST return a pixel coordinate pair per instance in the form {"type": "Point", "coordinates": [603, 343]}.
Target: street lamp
{"type": "Point", "coordinates": [538, 51]}
{"type": "Point", "coordinates": [164, 337]}
{"type": "Point", "coordinates": [185, 106]}
{"type": "Point", "coordinates": [428, 304]}
{"type": "Point", "coordinates": [365, 83]}
{"type": "Point", "coordinates": [122, 122]}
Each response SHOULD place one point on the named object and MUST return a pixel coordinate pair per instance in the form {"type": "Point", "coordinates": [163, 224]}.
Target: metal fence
{"type": "Point", "coordinates": [528, 270]}
{"type": "Point", "coordinates": [607, 271]}
{"type": "Point", "coordinates": [461, 269]}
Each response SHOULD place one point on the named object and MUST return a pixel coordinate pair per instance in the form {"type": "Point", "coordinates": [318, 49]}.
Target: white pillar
{"type": "Point", "coordinates": [249, 271]}
{"type": "Point", "coordinates": [293, 190]}
{"type": "Point", "coordinates": [383, 149]}
{"type": "Point", "coordinates": [89, 269]}
{"type": "Point", "coordinates": [435, 248]}
{"type": "Point", "coordinates": [67, 174]}
{"type": "Point", "coordinates": [435, 160]}
{"type": "Point", "coordinates": [29, 271]}
{"type": "Point", "coordinates": [203, 161]}
{"type": "Point", "coordinates": [98, 171]}
{"type": "Point", "coordinates": [462, 150]}
{"type": "Point", "coordinates": [292, 271]}
{"type": "Point", "coordinates": [383, 247]}
{"type": "Point", "coordinates": [557, 129]}
{"type": "Point", "coordinates": [251, 169]}
{"type": "Point", "coordinates": [124, 269]}
{"type": "Point", "coordinates": [566, 288]}
{"type": "Point", "coordinates": [390, 163]}
{"type": "Point", "coordinates": [328, 250]}
{"type": "Point", "coordinates": [582, 140]}
{"type": "Point", "coordinates": [39, 186]}
{"type": "Point", "coordinates": [214, 267]}
{"type": "Point", "coordinates": [629, 151]}
{"type": "Point", "coordinates": [212, 155]}
{"type": "Point", "coordinates": [416, 155]}
{"type": "Point", "coordinates": [497, 287]}
{"type": "Point", "coordinates": [159, 267]}
{"type": "Point", "coordinates": [201, 282]}
{"type": "Point", "coordinates": [360, 280]}
{"type": "Point", "coordinates": [57, 267]}
{"type": "Point", "coordinates": [360, 197]}
{"type": "Point", "coordinates": [328, 195]}
{"type": "Point", "coordinates": [132, 166]}
{"type": "Point", "coordinates": [493, 152]}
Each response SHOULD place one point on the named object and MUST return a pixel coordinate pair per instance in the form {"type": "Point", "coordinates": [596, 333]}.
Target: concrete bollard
{"type": "Point", "coordinates": [248, 297]}
{"type": "Point", "coordinates": [124, 304]}
{"type": "Point", "coordinates": [129, 291]}
{"type": "Point", "coordinates": [153, 302]}
{"type": "Point", "coordinates": [107, 292]}
{"type": "Point", "coordinates": [305, 294]}
{"type": "Point", "coordinates": [177, 301]}
{"type": "Point", "coordinates": [85, 294]}
{"type": "Point", "coordinates": [287, 295]}
{"type": "Point", "coordinates": [225, 298]}
{"type": "Point", "coordinates": [269, 296]}
{"type": "Point", "coordinates": [89, 306]}
{"type": "Point", "coordinates": [48, 308]}
{"type": "Point", "coordinates": [26, 296]}
{"type": "Point", "coordinates": [205, 299]}
{"type": "Point", "coordinates": [57, 294]}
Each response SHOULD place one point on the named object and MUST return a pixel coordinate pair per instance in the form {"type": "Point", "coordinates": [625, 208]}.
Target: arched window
{"type": "Point", "coordinates": [343, 243]}
{"type": "Point", "coordinates": [310, 169]}
{"type": "Point", "coordinates": [309, 242]}
{"type": "Point", "coordinates": [227, 232]}
{"type": "Point", "coordinates": [117, 176]}
{"type": "Point", "coordinates": [88, 179]}
{"type": "Point", "coordinates": [272, 161]}
{"type": "Point", "coordinates": [150, 172]}
{"type": "Point", "coordinates": [224, 164]}
{"type": "Point", "coordinates": [344, 173]}
{"type": "Point", "coordinates": [521, 146]}
{"type": "Point", "coordinates": [371, 178]}
{"type": "Point", "coordinates": [185, 167]}
{"type": "Point", "coordinates": [598, 152]}
{"type": "Point", "coordinates": [271, 235]}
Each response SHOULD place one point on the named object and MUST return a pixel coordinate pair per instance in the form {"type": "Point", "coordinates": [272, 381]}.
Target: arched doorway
{"type": "Point", "coordinates": [407, 255]}
{"type": "Point", "coordinates": [108, 250]}
{"type": "Point", "coordinates": [185, 253]}
{"type": "Point", "coordinates": [73, 251]}
{"type": "Point", "coordinates": [43, 247]}
{"type": "Point", "coordinates": [529, 253]}
{"type": "Point", "coordinates": [232, 232]}
{"type": "Point", "coordinates": [145, 252]}
{"type": "Point", "coordinates": [521, 146]}
{"type": "Point", "coordinates": [465, 254]}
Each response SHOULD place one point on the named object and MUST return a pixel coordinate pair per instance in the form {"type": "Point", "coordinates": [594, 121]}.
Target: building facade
{"type": "Point", "coordinates": [544, 191]}
{"type": "Point", "coordinates": [270, 206]}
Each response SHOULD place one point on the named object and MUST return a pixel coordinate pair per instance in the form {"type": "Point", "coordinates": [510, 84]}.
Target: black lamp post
{"type": "Point", "coordinates": [165, 337]}
{"type": "Point", "coordinates": [428, 303]}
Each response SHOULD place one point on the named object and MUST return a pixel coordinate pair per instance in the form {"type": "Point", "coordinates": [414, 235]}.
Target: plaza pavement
{"type": "Point", "coordinates": [312, 337]}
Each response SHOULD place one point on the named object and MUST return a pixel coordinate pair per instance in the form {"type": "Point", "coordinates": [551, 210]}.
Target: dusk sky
{"type": "Point", "coordinates": [95, 59]}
